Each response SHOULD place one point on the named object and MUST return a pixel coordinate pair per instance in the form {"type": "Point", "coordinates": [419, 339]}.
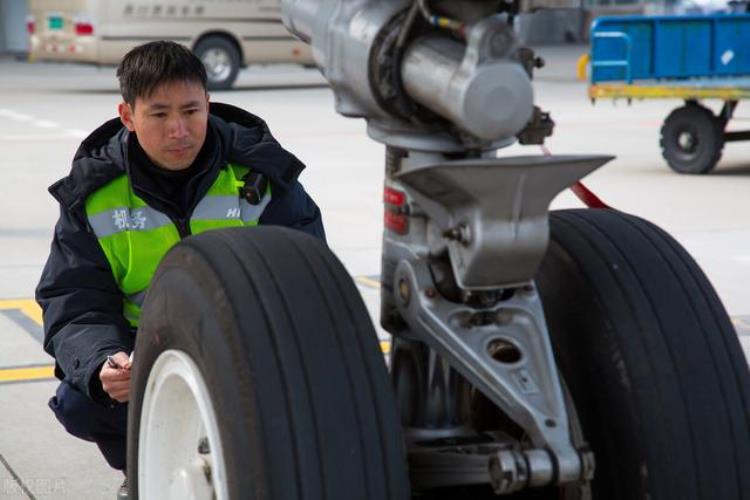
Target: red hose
{"type": "Point", "coordinates": [587, 197]}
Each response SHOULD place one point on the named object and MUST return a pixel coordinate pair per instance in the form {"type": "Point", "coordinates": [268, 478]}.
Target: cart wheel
{"type": "Point", "coordinates": [654, 366]}
{"type": "Point", "coordinates": [692, 139]}
{"type": "Point", "coordinates": [221, 58]}
{"type": "Point", "coordinates": [258, 375]}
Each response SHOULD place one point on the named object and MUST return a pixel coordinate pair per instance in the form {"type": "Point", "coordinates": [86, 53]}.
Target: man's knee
{"type": "Point", "coordinates": [86, 419]}
{"type": "Point", "coordinates": [81, 416]}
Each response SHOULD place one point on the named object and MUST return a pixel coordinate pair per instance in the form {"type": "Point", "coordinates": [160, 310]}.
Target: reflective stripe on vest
{"type": "Point", "coordinates": [135, 237]}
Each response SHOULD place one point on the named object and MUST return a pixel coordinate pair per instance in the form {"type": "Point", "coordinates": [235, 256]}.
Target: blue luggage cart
{"type": "Point", "coordinates": [691, 58]}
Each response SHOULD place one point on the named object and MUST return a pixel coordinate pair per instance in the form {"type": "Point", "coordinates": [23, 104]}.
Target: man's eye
{"type": "Point", "coordinates": [159, 115]}
{"type": "Point", "coordinates": [191, 111]}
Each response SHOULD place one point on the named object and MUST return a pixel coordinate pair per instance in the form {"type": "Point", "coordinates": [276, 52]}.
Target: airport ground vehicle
{"type": "Point", "coordinates": [572, 354]}
{"type": "Point", "coordinates": [226, 35]}
{"type": "Point", "coordinates": [691, 58]}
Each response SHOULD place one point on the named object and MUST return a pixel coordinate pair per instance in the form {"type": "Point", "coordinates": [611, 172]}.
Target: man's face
{"type": "Point", "coordinates": [170, 123]}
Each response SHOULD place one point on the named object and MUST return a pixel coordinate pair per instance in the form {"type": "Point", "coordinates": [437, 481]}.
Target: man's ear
{"type": "Point", "coordinates": [126, 115]}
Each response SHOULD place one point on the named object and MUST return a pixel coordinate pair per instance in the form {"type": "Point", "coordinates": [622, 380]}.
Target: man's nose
{"type": "Point", "coordinates": [177, 128]}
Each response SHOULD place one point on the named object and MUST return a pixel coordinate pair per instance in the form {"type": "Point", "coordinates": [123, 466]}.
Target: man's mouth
{"type": "Point", "coordinates": [178, 150]}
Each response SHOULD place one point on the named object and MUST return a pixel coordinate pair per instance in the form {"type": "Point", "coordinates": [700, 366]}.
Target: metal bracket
{"type": "Point", "coordinates": [504, 351]}
{"type": "Point", "coordinates": [498, 207]}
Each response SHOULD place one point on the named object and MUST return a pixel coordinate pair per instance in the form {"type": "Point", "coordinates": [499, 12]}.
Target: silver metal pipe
{"type": "Point", "coordinates": [491, 101]}
{"type": "Point", "coordinates": [300, 17]}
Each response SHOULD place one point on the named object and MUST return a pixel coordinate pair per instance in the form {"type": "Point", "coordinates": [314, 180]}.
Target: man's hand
{"type": "Point", "coordinates": [116, 381]}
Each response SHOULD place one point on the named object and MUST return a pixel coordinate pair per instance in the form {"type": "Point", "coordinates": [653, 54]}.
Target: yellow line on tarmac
{"type": "Point", "coordinates": [28, 373]}
{"type": "Point", "coordinates": [385, 346]}
{"type": "Point", "coordinates": [27, 306]}
{"type": "Point", "coordinates": [364, 280]}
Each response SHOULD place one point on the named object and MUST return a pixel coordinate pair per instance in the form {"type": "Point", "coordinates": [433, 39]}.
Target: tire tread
{"type": "Point", "coordinates": [698, 384]}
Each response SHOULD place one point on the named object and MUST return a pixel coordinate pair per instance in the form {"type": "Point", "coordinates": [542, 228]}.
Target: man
{"type": "Point", "coordinates": [171, 165]}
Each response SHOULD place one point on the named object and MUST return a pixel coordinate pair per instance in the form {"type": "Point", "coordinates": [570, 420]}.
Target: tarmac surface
{"type": "Point", "coordinates": [46, 109]}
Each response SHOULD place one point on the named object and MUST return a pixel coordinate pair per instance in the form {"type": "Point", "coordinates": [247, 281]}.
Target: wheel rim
{"type": "Point", "coordinates": [218, 64]}
{"type": "Point", "coordinates": [179, 447]}
{"type": "Point", "coordinates": [687, 141]}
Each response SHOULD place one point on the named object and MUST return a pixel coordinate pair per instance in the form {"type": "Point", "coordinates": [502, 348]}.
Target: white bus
{"type": "Point", "coordinates": [225, 34]}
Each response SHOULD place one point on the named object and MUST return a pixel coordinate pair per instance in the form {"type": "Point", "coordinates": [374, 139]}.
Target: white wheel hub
{"type": "Point", "coordinates": [179, 447]}
{"type": "Point", "coordinates": [218, 64]}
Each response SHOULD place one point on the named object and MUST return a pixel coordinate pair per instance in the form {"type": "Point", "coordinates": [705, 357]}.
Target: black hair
{"type": "Point", "coordinates": [150, 65]}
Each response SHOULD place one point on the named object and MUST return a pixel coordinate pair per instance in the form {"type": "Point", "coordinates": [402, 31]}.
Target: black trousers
{"type": "Point", "coordinates": [91, 421]}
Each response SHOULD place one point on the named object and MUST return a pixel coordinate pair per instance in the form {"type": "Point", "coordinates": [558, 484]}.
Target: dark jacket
{"type": "Point", "coordinates": [82, 304]}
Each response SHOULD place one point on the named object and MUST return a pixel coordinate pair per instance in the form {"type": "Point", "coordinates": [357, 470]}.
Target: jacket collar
{"type": "Point", "coordinates": [244, 139]}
